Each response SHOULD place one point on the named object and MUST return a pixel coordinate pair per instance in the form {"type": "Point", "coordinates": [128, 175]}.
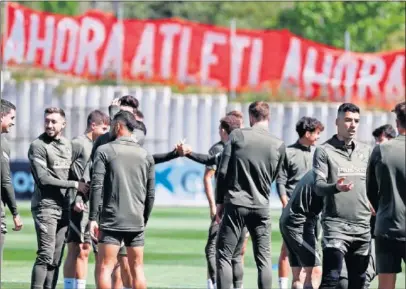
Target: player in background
{"type": "Point", "coordinates": [298, 161]}
{"type": "Point", "coordinates": [340, 169]}
{"type": "Point", "coordinates": [78, 240]}
{"type": "Point", "coordinates": [124, 178]}
{"type": "Point", "coordinates": [50, 157]}
{"type": "Point", "coordinates": [386, 183]}
{"type": "Point", "coordinates": [298, 227]}
{"type": "Point", "coordinates": [227, 125]}
{"type": "Point", "coordinates": [7, 113]}
{"type": "Point", "coordinates": [250, 162]}
{"type": "Point", "coordinates": [384, 133]}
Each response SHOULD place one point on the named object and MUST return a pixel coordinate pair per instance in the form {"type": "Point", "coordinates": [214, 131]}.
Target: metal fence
{"type": "Point", "coordinates": [169, 117]}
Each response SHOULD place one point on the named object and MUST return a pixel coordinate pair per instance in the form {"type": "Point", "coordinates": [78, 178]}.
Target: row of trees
{"type": "Point", "coordinates": [373, 26]}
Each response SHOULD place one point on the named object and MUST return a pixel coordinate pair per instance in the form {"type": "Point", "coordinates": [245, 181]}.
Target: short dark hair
{"type": "Point", "coordinates": [238, 114]}
{"type": "Point", "coordinates": [126, 118]}
{"type": "Point", "coordinates": [386, 129]}
{"type": "Point", "coordinates": [309, 124]}
{"type": "Point", "coordinates": [98, 117]}
{"type": "Point", "coordinates": [348, 107]}
{"type": "Point", "coordinates": [6, 107]}
{"type": "Point", "coordinates": [259, 110]}
{"type": "Point", "coordinates": [129, 100]}
{"type": "Point", "coordinates": [139, 114]}
{"type": "Point", "coordinates": [59, 110]}
{"type": "Point", "coordinates": [400, 111]}
{"type": "Point", "coordinates": [230, 123]}
{"type": "Point", "coordinates": [141, 126]}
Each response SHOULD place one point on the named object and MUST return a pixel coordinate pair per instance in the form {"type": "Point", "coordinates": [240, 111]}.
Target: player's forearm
{"type": "Point", "coordinates": [323, 189]}
{"type": "Point", "coordinates": [165, 157]}
{"type": "Point", "coordinates": [94, 201]}
{"type": "Point", "coordinates": [149, 200]}
{"type": "Point", "coordinates": [7, 189]}
{"type": "Point", "coordinates": [202, 158]}
{"type": "Point", "coordinates": [208, 188]}
{"type": "Point", "coordinates": [281, 189]}
{"type": "Point", "coordinates": [43, 179]}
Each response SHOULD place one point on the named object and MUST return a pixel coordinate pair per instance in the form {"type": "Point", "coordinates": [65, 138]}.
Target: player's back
{"type": "Point", "coordinates": [125, 184]}
{"type": "Point", "coordinates": [254, 162]}
{"type": "Point", "coordinates": [391, 176]}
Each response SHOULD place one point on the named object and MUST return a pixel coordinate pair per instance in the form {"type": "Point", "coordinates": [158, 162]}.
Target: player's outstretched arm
{"type": "Point", "coordinates": [165, 157]}
{"type": "Point", "coordinates": [208, 160]}
{"type": "Point", "coordinates": [150, 197]}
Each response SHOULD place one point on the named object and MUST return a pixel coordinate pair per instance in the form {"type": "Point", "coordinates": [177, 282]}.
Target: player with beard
{"type": "Point", "coordinates": [340, 170]}
{"type": "Point", "coordinates": [298, 161]}
{"type": "Point", "coordinates": [386, 183]}
{"type": "Point", "coordinates": [50, 157]}
{"type": "Point", "coordinates": [75, 267]}
{"type": "Point", "coordinates": [7, 113]}
{"type": "Point", "coordinates": [124, 178]}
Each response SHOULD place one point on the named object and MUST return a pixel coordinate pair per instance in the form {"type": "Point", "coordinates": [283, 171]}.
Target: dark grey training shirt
{"type": "Point", "coordinates": [298, 161]}
{"type": "Point", "coordinates": [344, 213]}
{"type": "Point", "coordinates": [386, 188]}
{"type": "Point", "coordinates": [250, 162]}
{"type": "Point", "coordinates": [124, 176]}
{"type": "Point", "coordinates": [50, 161]}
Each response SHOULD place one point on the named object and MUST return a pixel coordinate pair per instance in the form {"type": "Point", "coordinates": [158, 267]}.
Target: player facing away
{"type": "Point", "coordinates": [227, 125]}
{"type": "Point", "coordinates": [250, 162]}
{"type": "Point", "coordinates": [383, 133]}
{"type": "Point", "coordinates": [298, 227]}
{"type": "Point", "coordinates": [50, 157]}
{"type": "Point", "coordinates": [386, 188]}
{"type": "Point", "coordinates": [78, 240]}
{"type": "Point", "coordinates": [124, 177]}
{"type": "Point", "coordinates": [7, 113]}
{"type": "Point", "coordinates": [298, 161]}
{"type": "Point", "coordinates": [340, 170]}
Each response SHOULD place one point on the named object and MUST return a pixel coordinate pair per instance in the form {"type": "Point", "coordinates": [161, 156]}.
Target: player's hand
{"type": "Point", "coordinates": [213, 211]}
{"type": "Point", "coordinates": [116, 101]}
{"type": "Point", "coordinates": [184, 149]}
{"type": "Point", "coordinates": [83, 188]}
{"type": "Point", "coordinates": [79, 207]}
{"type": "Point", "coordinates": [284, 201]}
{"type": "Point", "coordinates": [94, 230]}
{"type": "Point", "coordinates": [18, 224]}
{"type": "Point", "coordinates": [373, 213]}
{"type": "Point", "coordinates": [219, 213]}
{"type": "Point", "coordinates": [343, 187]}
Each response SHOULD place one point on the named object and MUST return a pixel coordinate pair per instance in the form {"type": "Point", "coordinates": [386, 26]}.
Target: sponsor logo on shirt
{"type": "Point", "coordinates": [352, 171]}
{"type": "Point", "coordinates": [62, 164]}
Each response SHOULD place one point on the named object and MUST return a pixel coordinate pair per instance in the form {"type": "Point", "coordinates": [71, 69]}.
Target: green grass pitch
{"type": "Point", "coordinates": [174, 251]}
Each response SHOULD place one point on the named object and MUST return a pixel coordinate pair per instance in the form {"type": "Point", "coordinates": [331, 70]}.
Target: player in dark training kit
{"type": "Point", "coordinates": [386, 188]}
{"type": "Point", "coordinates": [298, 161]}
{"type": "Point", "coordinates": [250, 162]}
{"type": "Point", "coordinates": [7, 113]}
{"type": "Point", "coordinates": [340, 170]}
{"type": "Point", "coordinates": [298, 227]}
{"type": "Point", "coordinates": [383, 133]}
{"type": "Point", "coordinates": [227, 125]}
{"type": "Point", "coordinates": [50, 157]}
{"type": "Point", "coordinates": [125, 172]}
{"type": "Point", "coordinates": [75, 267]}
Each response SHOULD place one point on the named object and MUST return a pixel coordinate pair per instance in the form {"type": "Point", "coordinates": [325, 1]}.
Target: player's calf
{"type": "Point", "coordinates": [125, 271]}
{"type": "Point", "coordinates": [283, 268]}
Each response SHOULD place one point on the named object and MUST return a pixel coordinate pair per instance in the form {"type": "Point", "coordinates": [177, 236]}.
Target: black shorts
{"type": "Point", "coordinates": [302, 245]}
{"type": "Point", "coordinates": [130, 239]}
{"type": "Point", "coordinates": [122, 252]}
{"type": "Point", "coordinates": [78, 231]}
{"type": "Point", "coordinates": [389, 255]}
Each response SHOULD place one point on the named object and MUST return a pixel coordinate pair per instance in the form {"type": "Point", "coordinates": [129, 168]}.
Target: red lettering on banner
{"type": "Point", "coordinates": [95, 45]}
